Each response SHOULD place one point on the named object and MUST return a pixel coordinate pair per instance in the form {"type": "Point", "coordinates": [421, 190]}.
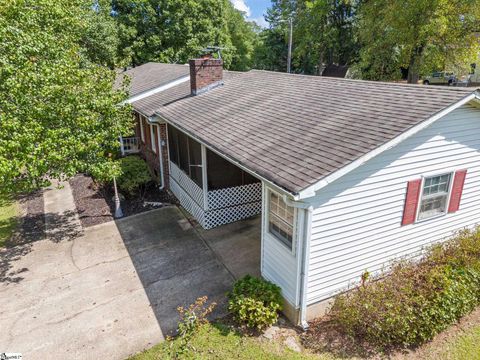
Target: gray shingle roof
{"type": "Point", "coordinates": [295, 130]}
{"type": "Point", "coordinates": [148, 105]}
{"type": "Point", "coordinates": [152, 75]}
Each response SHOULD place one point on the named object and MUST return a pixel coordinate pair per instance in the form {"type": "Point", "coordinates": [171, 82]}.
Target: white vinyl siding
{"type": "Point", "coordinates": [356, 223]}
{"type": "Point", "coordinates": [279, 263]}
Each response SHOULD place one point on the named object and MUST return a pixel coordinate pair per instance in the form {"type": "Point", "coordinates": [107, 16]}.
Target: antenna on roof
{"type": "Point", "coordinates": [212, 49]}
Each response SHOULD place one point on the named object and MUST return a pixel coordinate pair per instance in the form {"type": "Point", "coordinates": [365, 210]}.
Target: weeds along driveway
{"type": "Point", "coordinates": [110, 292]}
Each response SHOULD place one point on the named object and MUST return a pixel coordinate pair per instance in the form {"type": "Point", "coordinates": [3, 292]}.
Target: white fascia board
{"type": "Point", "coordinates": [156, 90]}
{"type": "Point", "coordinates": [236, 163]}
{"type": "Point", "coordinates": [311, 190]}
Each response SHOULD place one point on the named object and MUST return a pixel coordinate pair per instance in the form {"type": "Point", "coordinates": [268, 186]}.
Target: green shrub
{"type": "Point", "coordinates": [135, 175]}
{"type": "Point", "coordinates": [191, 319]}
{"type": "Point", "coordinates": [255, 302]}
{"type": "Point", "coordinates": [415, 300]}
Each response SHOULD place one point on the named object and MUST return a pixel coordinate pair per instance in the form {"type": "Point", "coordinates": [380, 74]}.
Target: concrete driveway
{"type": "Point", "coordinates": [108, 293]}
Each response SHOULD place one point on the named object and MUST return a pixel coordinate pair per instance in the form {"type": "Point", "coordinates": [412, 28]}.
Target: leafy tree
{"type": "Point", "coordinates": [418, 35]}
{"type": "Point", "coordinates": [323, 34]}
{"type": "Point", "coordinates": [100, 40]}
{"type": "Point", "coordinates": [244, 38]}
{"type": "Point", "coordinates": [174, 31]}
{"type": "Point", "coordinates": [59, 113]}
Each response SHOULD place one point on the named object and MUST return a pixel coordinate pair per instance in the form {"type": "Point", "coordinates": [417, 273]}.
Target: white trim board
{"type": "Point", "coordinates": [156, 90]}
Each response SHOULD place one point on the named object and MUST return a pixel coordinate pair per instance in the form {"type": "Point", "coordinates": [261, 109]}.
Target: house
{"type": "Point", "coordinates": [346, 174]}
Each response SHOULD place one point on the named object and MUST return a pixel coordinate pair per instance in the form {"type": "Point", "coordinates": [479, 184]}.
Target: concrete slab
{"type": "Point", "coordinates": [238, 245]}
{"type": "Point", "coordinates": [109, 293]}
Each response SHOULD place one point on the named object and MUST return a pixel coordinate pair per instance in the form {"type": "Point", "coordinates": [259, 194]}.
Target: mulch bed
{"type": "Point", "coordinates": [95, 204]}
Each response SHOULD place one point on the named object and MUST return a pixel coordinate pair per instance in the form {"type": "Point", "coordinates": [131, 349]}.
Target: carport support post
{"type": "Point", "coordinates": [204, 177]}
{"type": "Point", "coordinates": [118, 209]}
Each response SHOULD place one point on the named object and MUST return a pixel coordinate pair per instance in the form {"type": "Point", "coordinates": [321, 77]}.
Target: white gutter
{"type": "Point", "coordinates": [156, 90]}
{"type": "Point", "coordinates": [305, 258]}
{"type": "Point", "coordinates": [310, 191]}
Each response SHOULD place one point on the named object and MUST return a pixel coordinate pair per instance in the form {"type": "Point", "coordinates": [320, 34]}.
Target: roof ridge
{"type": "Point", "coordinates": [334, 79]}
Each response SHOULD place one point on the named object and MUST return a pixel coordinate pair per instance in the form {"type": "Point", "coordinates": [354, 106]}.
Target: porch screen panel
{"type": "Point", "coordinates": [195, 155]}
{"type": "Point", "coordinates": [173, 144]}
{"type": "Point", "coordinates": [223, 174]}
{"type": "Point", "coordinates": [183, 152]}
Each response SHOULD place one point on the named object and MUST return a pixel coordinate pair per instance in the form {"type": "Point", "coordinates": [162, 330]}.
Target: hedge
{"type": "Point", "coordinates": [415, 300]}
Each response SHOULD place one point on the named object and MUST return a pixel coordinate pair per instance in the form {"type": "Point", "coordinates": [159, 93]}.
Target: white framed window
{"type": "Point", "coordinates": [152, 138]}
{"type": "Point", "coordinates": [142, 129]}
{"type": "Point", "coordinates": [281, 220]}
{"type": "Point", "coordinates": [434, 196]}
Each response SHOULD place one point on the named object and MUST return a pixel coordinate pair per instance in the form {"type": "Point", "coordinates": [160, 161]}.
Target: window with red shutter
{"type": "Point", "coordinates": [457, 190]}
{"type": "Point", "coordinates": [411, 202]}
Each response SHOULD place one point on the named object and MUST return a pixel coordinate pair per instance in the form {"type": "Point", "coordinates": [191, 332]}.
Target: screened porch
{"type": "Point", "coordinates": [212, 189]}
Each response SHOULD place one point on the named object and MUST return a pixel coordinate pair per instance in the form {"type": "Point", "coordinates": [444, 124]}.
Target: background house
{"type": "Point", "coordinates": [347, 175]}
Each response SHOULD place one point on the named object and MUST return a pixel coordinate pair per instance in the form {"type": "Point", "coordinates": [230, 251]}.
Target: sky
{"type": "Point", "coordinates": [253, 9]}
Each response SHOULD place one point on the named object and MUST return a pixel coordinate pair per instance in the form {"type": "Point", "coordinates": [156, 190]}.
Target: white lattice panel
{"type": "Point", "coordinates": [187, 202]}
{"type": "Point", "coordinates": [219, 199]}
{"type": "Point", "coordinates": [231, 214]}
{"type": "Point", "coordinates": [187, 184]}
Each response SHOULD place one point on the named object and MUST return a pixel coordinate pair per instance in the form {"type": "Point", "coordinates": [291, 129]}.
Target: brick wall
{"type": "Point", "coordinates": [205, 72]}
{"type": "Point", "coordinates": [146, 152]}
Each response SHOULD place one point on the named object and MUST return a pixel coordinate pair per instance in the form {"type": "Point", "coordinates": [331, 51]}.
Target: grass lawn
{"type": "Point", "coordinates": [464, 347]}
{"type": "Point", "coordinates": [216, 341]}
{"type": "Point", "coordinates": [8, 218]}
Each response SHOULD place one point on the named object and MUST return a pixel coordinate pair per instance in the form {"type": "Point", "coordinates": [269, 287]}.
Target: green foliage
{"type": "Point", "coordinates": [255, 302]}
{"type": "Point", "coordinates": [191, 319]}
{"type": "Point", "coordinates": [421, 36]}
{"type": "Point", "coordinates": [100, 41]}
{"type": "Point", "coordinates": [173, 31]}
{"type": "Point", "coordinates": [134, 175]}
{"type": "Point", "coordinates": [323, 33]}
{"type": "Point", "coordinates": [8, 218]}
{"type": "Point", "coordinates": [221, 342]}
{"type": "Point", "coordinates": [59, 114]}
{"type": "Point", "coordinates": [415, 300]}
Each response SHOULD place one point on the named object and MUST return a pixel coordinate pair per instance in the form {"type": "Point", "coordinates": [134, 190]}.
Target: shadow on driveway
{"type": "Point", "coordinates": [173, 263]}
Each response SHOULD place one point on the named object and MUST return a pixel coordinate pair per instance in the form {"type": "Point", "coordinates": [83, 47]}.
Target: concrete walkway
{"type": "Point", "coordinates": [61, 217]}
{"type": "Point", "coordinates": [108, 291]}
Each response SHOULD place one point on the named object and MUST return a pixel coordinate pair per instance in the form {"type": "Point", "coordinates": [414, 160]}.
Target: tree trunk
{"type": "Point", "coordinates": [414, 65]}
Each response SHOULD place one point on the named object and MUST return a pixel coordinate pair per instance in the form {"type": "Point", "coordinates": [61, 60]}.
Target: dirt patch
{"type": "Point", "coordinates": [95, 204]}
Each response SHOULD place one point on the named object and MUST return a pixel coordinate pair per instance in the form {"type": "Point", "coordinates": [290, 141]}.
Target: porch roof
{"type": "Point", "coordinates": [296, 130]}
{"type": "Point", "coordinates": [151, 75]}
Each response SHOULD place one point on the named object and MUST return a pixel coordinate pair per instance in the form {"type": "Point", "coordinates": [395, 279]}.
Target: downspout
{"type": "Point", "coordinates": [160, 156]}
{"type": "Point", "coordinates": [305, 258]}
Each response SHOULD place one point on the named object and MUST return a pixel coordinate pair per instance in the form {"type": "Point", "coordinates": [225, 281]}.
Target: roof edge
{"type": "Point", "coordinates": [157, 89]}
{"type": "Point", "coordinates": [312, 189]}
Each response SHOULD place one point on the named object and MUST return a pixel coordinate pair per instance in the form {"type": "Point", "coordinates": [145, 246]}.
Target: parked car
{"type": "Point", "coordinates": [440, 78]}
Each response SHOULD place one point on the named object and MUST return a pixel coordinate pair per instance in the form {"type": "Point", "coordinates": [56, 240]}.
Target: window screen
{"type": "Point", "coordinates": [280, 219]}
{"type": "Point", "coordinates": [434, 196]}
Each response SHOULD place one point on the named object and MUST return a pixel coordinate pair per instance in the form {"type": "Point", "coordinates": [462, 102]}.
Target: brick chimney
{"type": "Point", "coordinates": [205, 74]}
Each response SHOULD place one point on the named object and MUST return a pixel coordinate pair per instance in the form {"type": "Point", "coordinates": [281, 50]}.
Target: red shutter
{"type": "Point", "coordinates": [457, 190]}
{"type": "Point", "coordinates": [411, 202]}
